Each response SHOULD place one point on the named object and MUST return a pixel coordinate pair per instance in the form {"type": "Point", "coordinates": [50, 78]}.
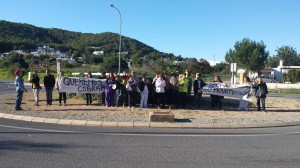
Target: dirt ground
{"type": "Point", "coordinates": [278, 110]}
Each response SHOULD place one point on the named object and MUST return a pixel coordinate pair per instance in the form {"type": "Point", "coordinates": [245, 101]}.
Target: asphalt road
{"type": "Point", "coordinates": [25, 144]}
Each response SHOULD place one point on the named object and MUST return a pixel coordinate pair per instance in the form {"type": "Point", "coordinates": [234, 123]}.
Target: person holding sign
{"type": "Point", "coordinates": [61, 94]}
{"type": "Point", "coordinates": [245, 100]}
{"type": "Point", "coordinates": [215, 99]}
{"type": "Point", "coordinates": [89, 95]}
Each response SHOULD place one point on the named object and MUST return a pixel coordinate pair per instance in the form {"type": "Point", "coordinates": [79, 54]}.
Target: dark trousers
{"type": "Point", "coordinates": [132, 98]}
{"type": "Point", "coordinates": [88, 98]}
{"type": "Point", "coordinates": [119, 97]}
{"type": "Point", "coordinates": [160, 100]}
{"type": "Point", "coordinates": [182, 99]}
{"type": "Point", "coordinates": [197, 100]}
{"type": "Point", "coordinates": [62, 95]}
{"type": "Point", "coordinates": [109, 98]}
{"type": "Point", "coordinates": [263, 103]}
{"type": "Point", "coordinates": [216, 101]}
{"type": "Point", "coordinates": [49, 95]}
{"type": "Point", "coordinates": [19, 100]}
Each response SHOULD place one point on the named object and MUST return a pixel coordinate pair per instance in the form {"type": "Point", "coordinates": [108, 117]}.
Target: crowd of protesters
{"type": "Point", "coordinates": [130, 90]}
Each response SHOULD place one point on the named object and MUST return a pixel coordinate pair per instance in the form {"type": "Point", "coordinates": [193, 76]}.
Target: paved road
{"type": "Point", "coordinates": [24, 144]}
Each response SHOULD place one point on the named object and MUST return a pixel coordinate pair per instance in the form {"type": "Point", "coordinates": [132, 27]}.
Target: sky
{"type": "Point", "coordinates": [191, 28]}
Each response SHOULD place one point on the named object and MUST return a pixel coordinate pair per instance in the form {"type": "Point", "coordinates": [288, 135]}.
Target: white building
{"type": "Point", "coordinates": [98, 52]}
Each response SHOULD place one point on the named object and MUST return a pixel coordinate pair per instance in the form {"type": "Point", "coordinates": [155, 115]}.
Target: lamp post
{"type": "Point", "coordinates": [120, 43]}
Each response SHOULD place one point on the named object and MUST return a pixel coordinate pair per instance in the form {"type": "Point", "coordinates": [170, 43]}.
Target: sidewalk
{"type": "Point", "coordinates": [77, 113]}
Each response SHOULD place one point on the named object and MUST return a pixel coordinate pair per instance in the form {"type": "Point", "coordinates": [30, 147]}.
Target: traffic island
{"type": "Point", "coordinates": [161, 117]}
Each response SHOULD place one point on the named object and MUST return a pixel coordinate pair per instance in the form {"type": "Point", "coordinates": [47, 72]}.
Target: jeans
{"type": "Point", "coordinates": [144, 99]}
{"type": "Point", "coordinates": [19, 100]}
{"type": "Point", "coordinates": [263, 103]}
{"type": "Point", "coordinates": [49, 95]}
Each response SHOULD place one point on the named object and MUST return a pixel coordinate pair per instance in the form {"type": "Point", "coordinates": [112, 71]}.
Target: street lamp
{"type": "Point", "coordinates": [120, 44]}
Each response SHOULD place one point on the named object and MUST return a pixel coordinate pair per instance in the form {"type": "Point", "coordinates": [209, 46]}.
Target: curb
{"type": "Point", "coordinates": [143, 124]}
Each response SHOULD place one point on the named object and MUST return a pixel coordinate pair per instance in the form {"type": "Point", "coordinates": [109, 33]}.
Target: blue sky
{"type": "Point", "coordinates": [190, 28]}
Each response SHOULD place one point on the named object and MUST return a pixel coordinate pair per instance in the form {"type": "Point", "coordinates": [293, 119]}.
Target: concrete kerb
{"type": "Point", "coordinates": [144, 124]}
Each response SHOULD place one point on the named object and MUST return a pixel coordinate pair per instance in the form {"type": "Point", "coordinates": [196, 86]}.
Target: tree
{"type": "Point", "coordinates": [248, 54]}
{"type": "Point", "coordinates": [204, 66]}
{"type": "Point", "coordinates": [193, 66]}
{"type": "Point", "coordinates": [287, 54]}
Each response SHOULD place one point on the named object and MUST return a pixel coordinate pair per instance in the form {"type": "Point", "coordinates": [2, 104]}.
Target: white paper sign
{"type": "Point", "coordinates": [81, 85]}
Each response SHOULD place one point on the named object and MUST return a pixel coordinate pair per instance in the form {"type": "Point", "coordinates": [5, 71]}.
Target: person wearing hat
{"type": "Point", "coordinates": [19, 88]}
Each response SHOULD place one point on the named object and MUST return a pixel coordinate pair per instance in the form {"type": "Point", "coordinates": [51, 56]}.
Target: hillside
{"type": "Point", "coordinates": [28, 37]}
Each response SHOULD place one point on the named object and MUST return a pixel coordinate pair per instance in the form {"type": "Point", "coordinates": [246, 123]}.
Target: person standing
{"type": "Point", "coordinates": [89, 95]}
{"type": "Point", "coordinates": [261, 91]}
{"type": "Point", "coordinates": [103, 76]}
{"type": "Point", "coordinates": [35, 80]}
{"type": "Point", "coordinates": [49, 83]}
{"type": "Point", "coordinates": [132, 92]}
{"type": "Point", "coordinates": [20, 88]}
{"type": "Point", "coordinates": [144, 87]}
{"type": "Point", "coordinates": [160, 92]}
{"type": "Point", "coordinates": [245, 99]}
{"type": "Point", "coordinates": [198, 85]}
{"type": "Point", "coordinates": [62, 95]}
{"type": "Point", "coordinates": [215, 99]}
{"type": "Point", "coordinates": [173, 91]}
{"type": "Point", "coordinates": [109, 91]}
{"type": "Point", "coordinates": [183, 89]}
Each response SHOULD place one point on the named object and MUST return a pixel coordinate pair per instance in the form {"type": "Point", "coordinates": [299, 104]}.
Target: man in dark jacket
{"type": "Point", "coordinates": [49, 83]}
{"type": "Point", "coordinates": [198, 85]}
{"type": "Point", "coordinates": [261, 91]}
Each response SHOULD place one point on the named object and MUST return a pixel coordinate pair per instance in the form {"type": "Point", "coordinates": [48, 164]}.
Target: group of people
{"type": "Point", "coordinates": [49, 83]}
{"type": "Point", "coordinates": [129, 90]}
{"type": "Point", "coordinates": [162, 91]}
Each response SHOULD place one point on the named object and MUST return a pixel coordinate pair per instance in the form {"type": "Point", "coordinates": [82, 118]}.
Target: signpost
{"type": "Point", "coordinates": [232, 69]}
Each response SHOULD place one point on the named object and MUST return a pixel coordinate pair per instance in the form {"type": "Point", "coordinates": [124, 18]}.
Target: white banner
{"type": "Point", "coordinates": [222, 89]}
{"type": "Point", "coordinates": [82, 85]}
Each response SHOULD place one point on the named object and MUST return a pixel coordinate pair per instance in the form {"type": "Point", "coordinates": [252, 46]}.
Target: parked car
{"type": "Point", "coordinates": [267, 79]}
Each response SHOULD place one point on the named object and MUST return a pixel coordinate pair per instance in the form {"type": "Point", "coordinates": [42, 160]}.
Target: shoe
{"type": "Point", "coordinates": [59, 104]}
{"type": "Point", "coordinates": [19, 109]}
{"type": "Point", "coordinates": [65, 104]}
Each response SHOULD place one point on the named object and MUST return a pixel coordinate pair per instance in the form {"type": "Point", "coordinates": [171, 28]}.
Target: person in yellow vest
{"type": "Point", "coordinates": [182, 91]}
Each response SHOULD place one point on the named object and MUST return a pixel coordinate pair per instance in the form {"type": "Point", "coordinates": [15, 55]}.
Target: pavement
{"type": "Point", "coordinates": [143, 124]}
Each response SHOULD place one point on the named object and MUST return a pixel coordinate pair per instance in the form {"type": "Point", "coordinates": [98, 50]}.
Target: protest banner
{"type": "Point", "coordinates": [81, 85]}
{"type": "Point", "coordinates": [221, 89]}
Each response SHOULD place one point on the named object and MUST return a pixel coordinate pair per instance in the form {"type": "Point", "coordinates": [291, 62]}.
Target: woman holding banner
{"type": "Point", "coordinates": [216, 100]}
{"type": "Point", "coordinates": [245, 100]}
{"type": "Point", "coordinates": [89, 95]}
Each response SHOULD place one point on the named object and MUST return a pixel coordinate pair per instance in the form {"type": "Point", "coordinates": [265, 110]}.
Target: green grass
{"type": "Point", "coordinates": [285, 91]}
